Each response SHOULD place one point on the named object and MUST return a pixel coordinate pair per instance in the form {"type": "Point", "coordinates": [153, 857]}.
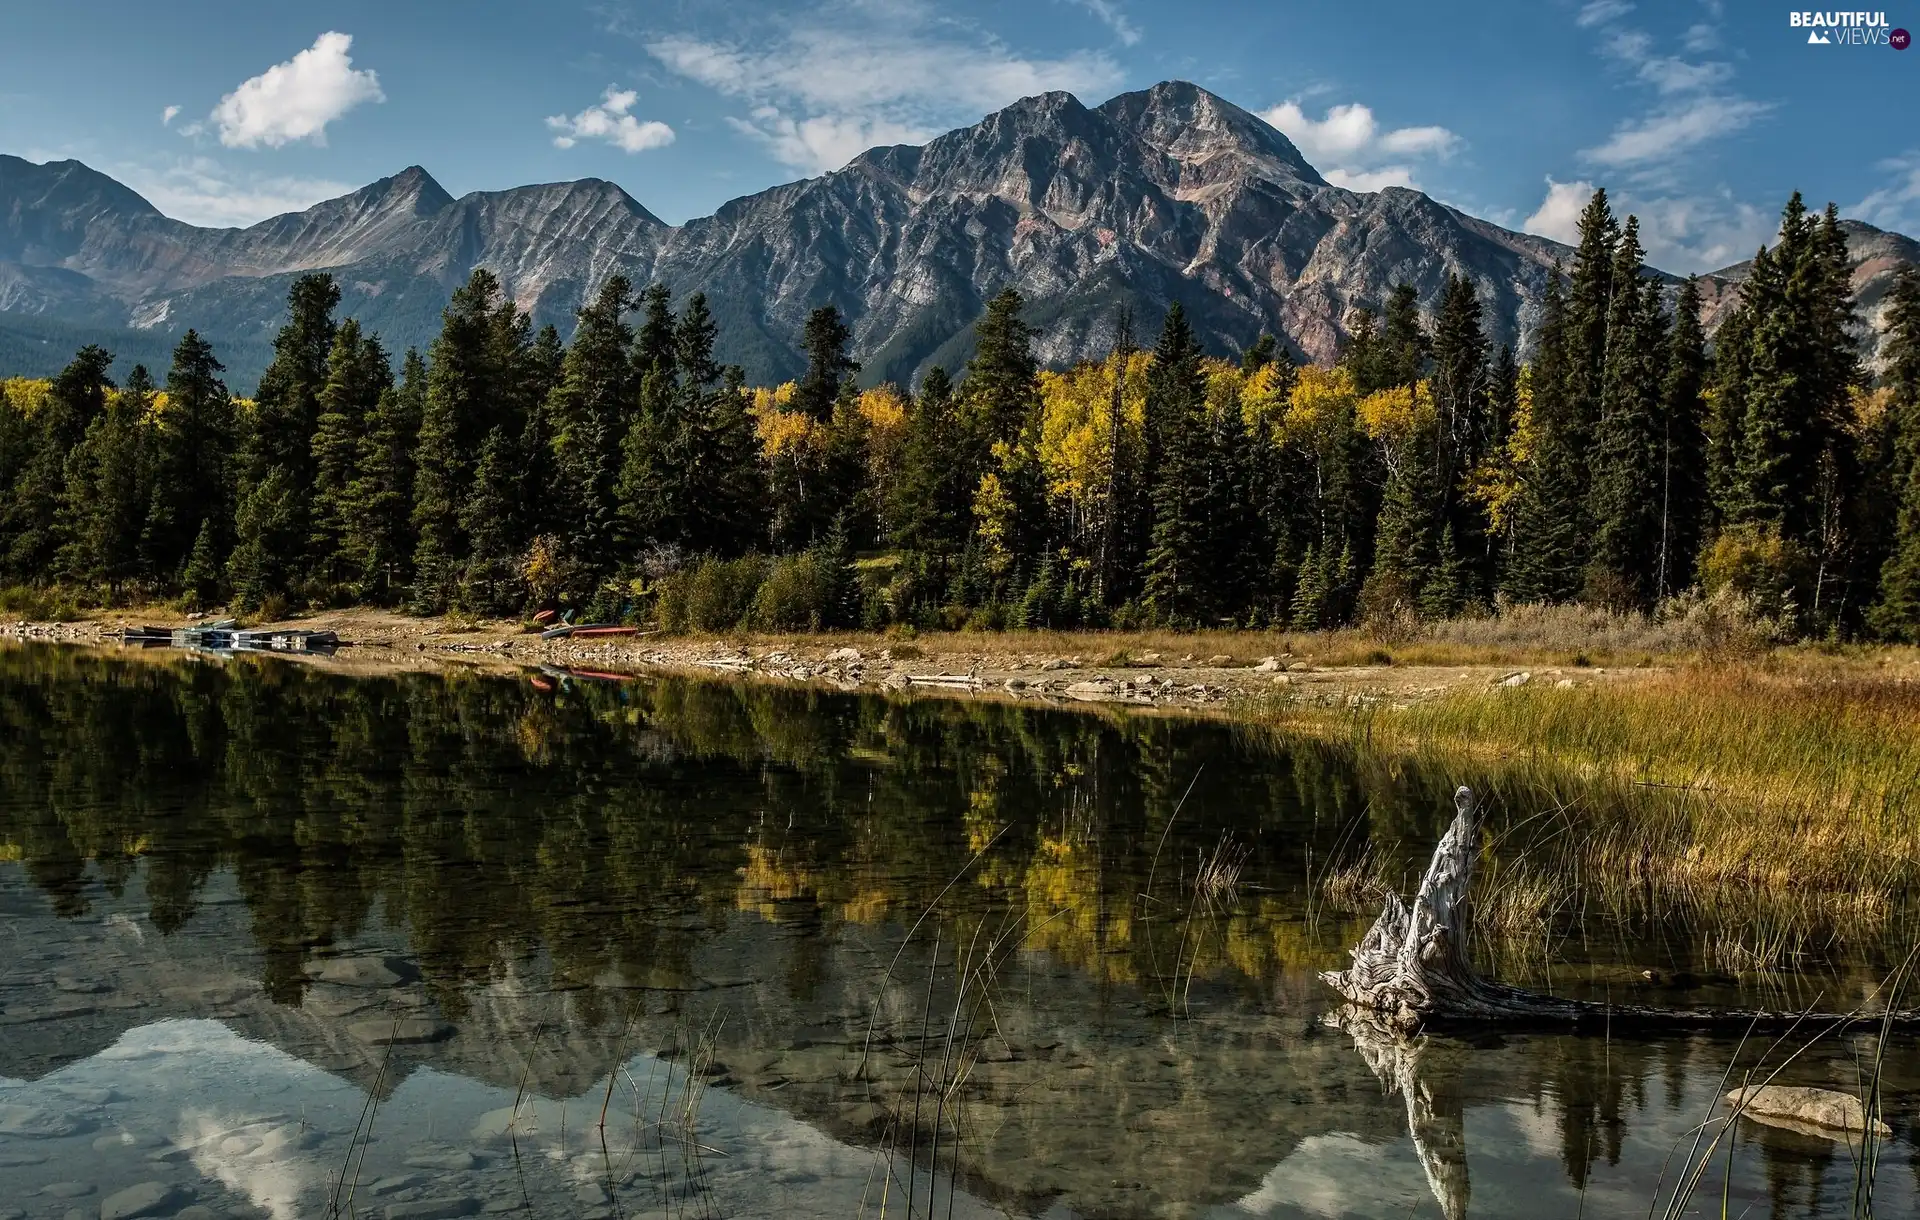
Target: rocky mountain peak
{"type": "Point", "coordinates": [1198, 129]}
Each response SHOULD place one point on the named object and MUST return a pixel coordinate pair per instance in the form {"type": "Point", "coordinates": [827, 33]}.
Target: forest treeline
{"type": "Point", "coordinates": [626, 474]}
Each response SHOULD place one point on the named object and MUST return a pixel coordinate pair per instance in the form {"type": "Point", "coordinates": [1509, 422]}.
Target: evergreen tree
{"type": "Point", "coordinates": [107, 491]}
{"type": "Point", "coordinates": [200, 574]}
{"type": "Point", "coordinates": [932, 512]}
{"type": "Point", "coordinates": [1404, 537]}
{"type": "Point", "coordinates": [1000, 388]}
{"type": "Point", "coordinates": [1404, 346]}
{"type": "Point", "coordinates": [267, 530]}
{"type": "Point", "coordinates": [491, 582]}
{"type": "Point", "coordinates": [193, 466]}
{"type": "Point", "coordinates": [1548, 518]}
{"type": "Point", "coordinates": [1446, 591]}
{"type": "Point", "coordinates": [33, 524]}
{"type": "Point", "coordinates": [378, 542]}
{"type": "Point", "coordinates": [466, 399]}
{"type": "Point", "coordinates": [1589, 306]}
{"type": "Point", "coordinates": [278, 432]}
{"type": "Point", "coordinates": [1625, 498]}
{"type": "Point", "coordinates": [1264, 351]}
{"type": "Point", "coordinates": [1896, 615]}
{"type": "Point", "coordinates": [1464, 429]}
{"type": "Point", "coordinates": [587, 416]}
{"type": "Point", "coordinates": [1177, 416]}
{"type": "Point", "coordinates": [829, 367]}
{"type": "Point", "coordinates": [1000, 408]}
{"type": "Point", "coordinates": [1684, 491]}
{"type": "Point", "coordinates": [357, 375]}
{"type": "Point", "coordinates": [733, 493]}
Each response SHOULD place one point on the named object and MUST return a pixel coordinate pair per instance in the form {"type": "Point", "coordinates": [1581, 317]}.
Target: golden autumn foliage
{"type": "Point", "coordinates": [25, 393]}
{"type": "Point", "coordinates": [1320, 407]}
{"type": "Point", "coordinates": [1076, 434]}
{"type": "Point", "coordinates": [1497, 481]}
{"type": "Point", "coordinates": [779, 427]}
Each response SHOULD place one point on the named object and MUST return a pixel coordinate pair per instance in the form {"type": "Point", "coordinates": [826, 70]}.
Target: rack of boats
{"type": "Point", "coordinates": [225, 635]}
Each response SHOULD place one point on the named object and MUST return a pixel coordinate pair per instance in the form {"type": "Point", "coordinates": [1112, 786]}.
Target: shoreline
{"type": "Point", "coordinates": [1066, 670]}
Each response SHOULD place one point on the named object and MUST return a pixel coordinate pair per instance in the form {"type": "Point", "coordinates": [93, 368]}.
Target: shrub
{"type": "Point", "coordinates": [711, 595]}
{"type": "Point", "coordinates": [1754, 563]}
{"type": "Point", "coordinates": [801, 593]}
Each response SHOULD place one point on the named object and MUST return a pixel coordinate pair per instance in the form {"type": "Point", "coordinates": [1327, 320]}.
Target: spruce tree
{"type": "Point", "coordinates": [1896, 615]}
{"type": "Point", "coordinates": [357, 375]}
{"type": "Point", "coordinates": [1589, 306]}
{"type": "Point", "coordinates": [1625, 498]}
{"type": "Point", "coordinates": [828, 365]}
{"type": "Point", "coordinates": [1000, 399]}
{"type": "Point", "coordinates": [1176, 411]}
{"type": "Point", "coordinates": [1464, 429]}
{"type": "Point", "coordinates": [587, 415]}
{"type": "Point", "coordinates": [278, 431]}
{"type": "Point", "coordinates": [1549, 524]}
{"type": "Point", "coordinates": [732, 513]}
{"type": "Point", "coordinates": [932, 495]}
{"type": "Point", "coordinates": [108, 486]}
{"type": "Point", "coordinates": [1684, 491]}
{"type": "Point", "coordinates": [267, 530]}
{"type": "Point", "coordinates": [464, 402]}
{"type": "Point", "coordinates": [491, 584]}
{"type": "Point", "coordinates": [200, 575]}
{"type": "Point", "coordinates": [378, 541]}
{"type": "Point", "coordinates": [193, 465]}
{"type": "Point", "coordinates": [1404, 536]}
{"type": "Point", "coordinates": [1000, 389]}
{"type": "Point", "coordinates": [33, 524]}
{"type": "Point", "coordinates": [1263, 351]}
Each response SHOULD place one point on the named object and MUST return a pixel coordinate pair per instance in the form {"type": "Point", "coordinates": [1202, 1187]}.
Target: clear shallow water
{"type": "Point", "coordinates": [272, 935]}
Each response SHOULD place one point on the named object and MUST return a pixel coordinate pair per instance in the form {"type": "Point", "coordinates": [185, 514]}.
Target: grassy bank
{"type": "Point", "coordinates": [1777, 802]}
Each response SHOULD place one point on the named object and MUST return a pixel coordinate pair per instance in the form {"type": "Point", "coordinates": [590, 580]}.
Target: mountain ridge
{"type": "Point", "coordinates": [1165, 194]}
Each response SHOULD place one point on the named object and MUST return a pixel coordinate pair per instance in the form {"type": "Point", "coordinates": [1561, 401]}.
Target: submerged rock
{"type": "Point", "coordinates": [1827, 1110]}
{"type": "Point", "coordinates": [146, 1199]}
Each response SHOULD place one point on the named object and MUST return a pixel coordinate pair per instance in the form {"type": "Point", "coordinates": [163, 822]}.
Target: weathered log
{"type": "Point", "coordinates": [1412, 969]}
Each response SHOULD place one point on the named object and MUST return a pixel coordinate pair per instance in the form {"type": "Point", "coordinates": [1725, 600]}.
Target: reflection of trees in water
{"type": "Point", "coordinates": [614, 826]}
{"type": "Point", "coordinates": [596, 820]}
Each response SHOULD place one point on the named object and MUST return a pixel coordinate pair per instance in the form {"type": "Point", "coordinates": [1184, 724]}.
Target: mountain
{"type": "Point", "coordinates": [1164, 195]}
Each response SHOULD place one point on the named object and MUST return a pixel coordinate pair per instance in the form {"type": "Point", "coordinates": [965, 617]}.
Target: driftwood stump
{"type": "Point", "coordinates": [1411, 969]}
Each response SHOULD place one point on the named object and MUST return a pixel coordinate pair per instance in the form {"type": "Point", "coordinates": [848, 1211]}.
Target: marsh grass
{"type": "Point", "coordinates": [1780, 807]}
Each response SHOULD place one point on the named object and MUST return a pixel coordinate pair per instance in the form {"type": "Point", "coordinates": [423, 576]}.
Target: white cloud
{"type": "Point", "coordinates": [1109, 15]}
{"type": "Point", "coordinates": [1681, 233]}
{"type": "Point", "coordinates": [296, 100]}
{"type": "Point", "coordinates": [1897, 204]}
{"type": "Point", "coordinates": [824, 140]}
{"type": "Point", "coordinates": [1558, 216]}
{"type": "Point", "coordinates": [1665, 133]}
{"type": "Point", "coordinates": [200, 191]}
{"type": "Point", "coordinates": [1350, 148]}
{"type": "Point", "coordinates": [1370, 180]}
{"type": "Point", "coordinates": [610, 121]}
{"type": "Point", "coordinates": [168, 115]}
{"type": "Point", "coordinates": [820, 84]}
{"type": "Point", "coordinates": [1599, 12]}
{"type": "Point", "coordinates": [1699, 105]}
{"type": "Point", "coordinates": [1702, 36]}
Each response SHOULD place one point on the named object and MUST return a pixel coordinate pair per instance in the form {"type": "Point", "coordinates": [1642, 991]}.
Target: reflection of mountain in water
{"type": "Point", "coordinates": [526, 887]}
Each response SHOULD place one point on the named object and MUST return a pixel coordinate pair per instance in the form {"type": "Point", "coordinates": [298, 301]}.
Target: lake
{"type": "Point", "coordinates": [279, 938]}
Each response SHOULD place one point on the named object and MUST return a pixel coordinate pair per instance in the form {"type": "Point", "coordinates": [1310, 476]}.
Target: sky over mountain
{"type": "Point", "coordinates": [1699, 116]}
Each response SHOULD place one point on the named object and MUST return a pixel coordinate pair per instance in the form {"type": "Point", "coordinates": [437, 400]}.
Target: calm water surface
{"type": "Point", "coordinates": [276, 939]}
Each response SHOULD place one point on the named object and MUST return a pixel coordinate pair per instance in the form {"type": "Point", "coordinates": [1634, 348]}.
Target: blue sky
{"type": "Point", "coordinates": [1700, 115]}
